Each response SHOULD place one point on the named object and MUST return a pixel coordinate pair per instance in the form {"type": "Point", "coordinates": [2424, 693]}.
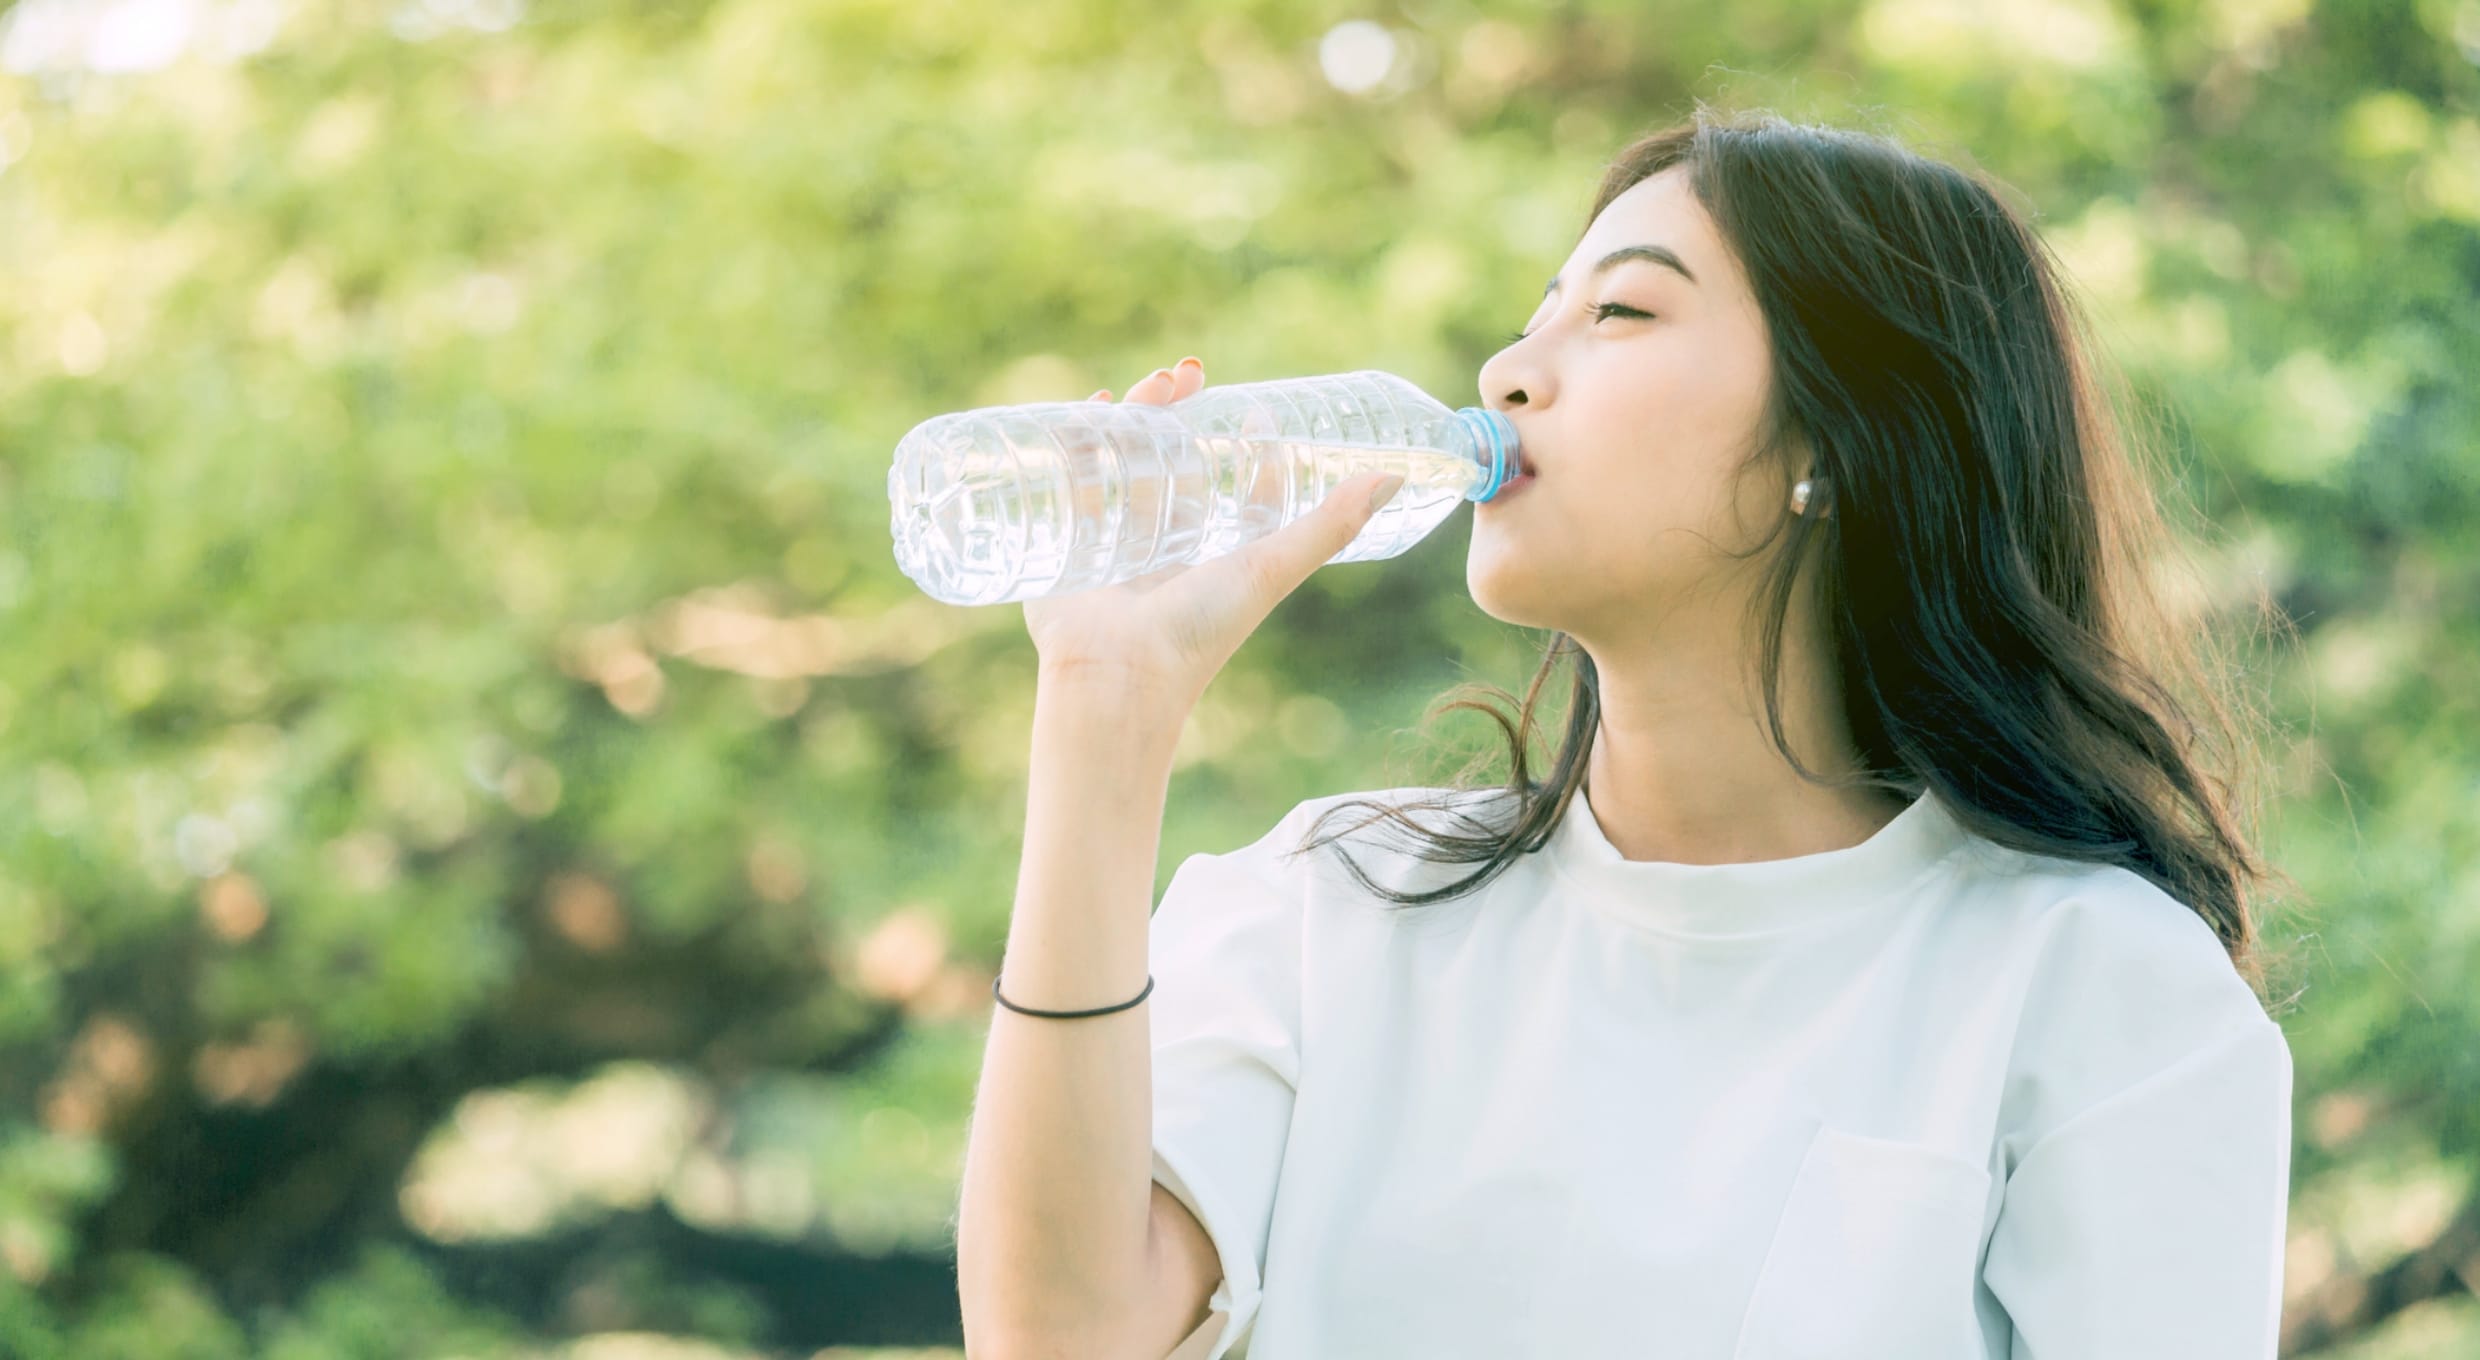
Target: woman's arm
{"type": "Point", "coordinates": [1054, 1251]}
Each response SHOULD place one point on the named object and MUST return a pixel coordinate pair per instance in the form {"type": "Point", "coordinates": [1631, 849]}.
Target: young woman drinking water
{"type": "Point", "coordinates": [1873, 974]}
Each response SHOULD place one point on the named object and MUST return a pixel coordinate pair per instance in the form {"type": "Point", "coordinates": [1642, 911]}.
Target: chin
{"type": "Point", "coordinates": [1506, 587]}
{"type": "Point", "coordinates": [1574, 592]}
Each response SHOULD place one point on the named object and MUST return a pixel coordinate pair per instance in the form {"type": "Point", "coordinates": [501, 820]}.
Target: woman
{"type": "Point", "coordinates": [1873, 975]}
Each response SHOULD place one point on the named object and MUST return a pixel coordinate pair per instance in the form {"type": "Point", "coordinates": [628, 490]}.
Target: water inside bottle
{"type": "Point", "coordinates": [1127, 497]}
{"type": "Point", "coordinates": [1302, 474]}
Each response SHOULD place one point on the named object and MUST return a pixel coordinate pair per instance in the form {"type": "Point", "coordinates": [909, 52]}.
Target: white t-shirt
{"type": "Point", "coordinates": [1922, 1098]}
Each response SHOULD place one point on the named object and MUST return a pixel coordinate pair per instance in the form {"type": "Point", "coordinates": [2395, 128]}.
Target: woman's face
{"type": "Point", "coordinates": [1634, 425]}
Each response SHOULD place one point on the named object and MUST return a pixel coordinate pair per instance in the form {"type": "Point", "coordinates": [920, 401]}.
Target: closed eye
{"type": "Point", "coordinates": [1601, 312]}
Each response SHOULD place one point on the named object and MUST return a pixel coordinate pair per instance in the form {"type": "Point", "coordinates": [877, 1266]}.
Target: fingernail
{"type": "Point", "coordinates": [1384, 492]}
{"type": "Point", "coordinates": [1191, 362]}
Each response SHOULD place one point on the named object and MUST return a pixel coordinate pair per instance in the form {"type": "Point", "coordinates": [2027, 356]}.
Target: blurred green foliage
{"type": "Point", "coordinates": [494, 857]}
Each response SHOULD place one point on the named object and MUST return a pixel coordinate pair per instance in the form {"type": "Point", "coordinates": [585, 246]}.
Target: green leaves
{"type": "Point", "coordinates": [443, 561]}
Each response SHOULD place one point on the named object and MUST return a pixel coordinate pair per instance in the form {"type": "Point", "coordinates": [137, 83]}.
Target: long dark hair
{"type": "Point", "coordinates": [1989, 570]}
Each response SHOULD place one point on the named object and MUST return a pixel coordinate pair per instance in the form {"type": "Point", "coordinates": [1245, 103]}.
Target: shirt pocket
{"type": "Point", "coordinates": [1875, 1256]}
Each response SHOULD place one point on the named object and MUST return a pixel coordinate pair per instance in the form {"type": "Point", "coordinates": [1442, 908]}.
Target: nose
{"type": "Point", "coordinates": [1511, 381]}
{"type": "Point", "coordinates": [1513, 385]}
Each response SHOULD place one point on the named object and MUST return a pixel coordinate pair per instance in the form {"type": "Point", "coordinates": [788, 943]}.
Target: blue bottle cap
{"type": "Point", "coordinates": [1494, 447]}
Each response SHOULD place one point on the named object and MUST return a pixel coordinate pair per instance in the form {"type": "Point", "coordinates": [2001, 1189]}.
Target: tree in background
{"type": "Point", "coordinates": [493, 850]}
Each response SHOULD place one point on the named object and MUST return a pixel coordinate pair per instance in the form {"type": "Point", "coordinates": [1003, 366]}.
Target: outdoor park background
{"type": "Point", "coordinates": [496, 861]}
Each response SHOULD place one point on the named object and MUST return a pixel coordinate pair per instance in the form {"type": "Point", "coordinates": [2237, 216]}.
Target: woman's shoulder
{"type": "Point", "coordinates": [1376, 818]}
{"type": "Point", "coordinates": [1400, 839]}
{"type": "Point", "coordinates": [2086, 929]}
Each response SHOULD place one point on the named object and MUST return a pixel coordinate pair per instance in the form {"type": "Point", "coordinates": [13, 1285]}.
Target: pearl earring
{"type": "Point", "coordinates": [1799, 497]}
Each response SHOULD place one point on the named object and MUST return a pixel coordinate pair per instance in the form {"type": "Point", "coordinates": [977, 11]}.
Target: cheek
{"type": "Point", "coordinates": [1666, 526]}
{"type": "Point", "coordinates": [1648, 513]}
{"type": "Point", "coordinates": [1656, 496]}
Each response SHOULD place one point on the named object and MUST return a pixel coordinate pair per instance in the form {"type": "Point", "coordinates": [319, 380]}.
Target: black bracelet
{"type": "Point", "coordinates": [1071, 1015]}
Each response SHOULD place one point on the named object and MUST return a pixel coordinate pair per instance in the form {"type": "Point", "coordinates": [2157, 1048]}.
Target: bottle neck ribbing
{"type": "Point", "coordinates": [1489, 440]}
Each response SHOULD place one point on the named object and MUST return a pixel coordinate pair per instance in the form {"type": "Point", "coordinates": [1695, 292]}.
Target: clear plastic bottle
{"type": "Point", "coordinates": [1012, 502]}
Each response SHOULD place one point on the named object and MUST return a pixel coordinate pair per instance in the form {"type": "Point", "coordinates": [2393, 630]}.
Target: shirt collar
{"type": "Point", "coordinates": [1760, 897]}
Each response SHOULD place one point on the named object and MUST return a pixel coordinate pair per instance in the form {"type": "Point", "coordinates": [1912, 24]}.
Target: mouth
{"type": "Point", "coordinates": [1523, 477]}
{"type": "Point", "coordinates": [1520, 469]}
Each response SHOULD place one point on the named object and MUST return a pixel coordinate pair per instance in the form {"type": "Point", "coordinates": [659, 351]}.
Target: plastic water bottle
{"type": "Point", "coordinates": [1012, 502]}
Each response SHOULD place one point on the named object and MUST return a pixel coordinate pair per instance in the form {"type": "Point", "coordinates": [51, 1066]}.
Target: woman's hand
{"type": "Point", "coordinates": [1161, 638]}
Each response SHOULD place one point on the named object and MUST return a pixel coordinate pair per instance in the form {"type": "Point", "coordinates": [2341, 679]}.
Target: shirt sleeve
{"type": "Point", "coordinates": [2152, 1223]}
{"type": "Point", "coordinates": [1224, 947]}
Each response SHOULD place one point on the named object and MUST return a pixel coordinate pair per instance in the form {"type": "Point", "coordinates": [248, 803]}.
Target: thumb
{"type": "Point", "coordinates": [1279, 562]}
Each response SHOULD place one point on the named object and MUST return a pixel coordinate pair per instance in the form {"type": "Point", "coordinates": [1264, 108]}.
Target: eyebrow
{"type": "Point", "coordinates": [1660, 255]}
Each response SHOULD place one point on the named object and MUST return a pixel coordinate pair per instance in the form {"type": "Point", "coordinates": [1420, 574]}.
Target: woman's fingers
{"type": "Point", "coordinates": [1164, 385]}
